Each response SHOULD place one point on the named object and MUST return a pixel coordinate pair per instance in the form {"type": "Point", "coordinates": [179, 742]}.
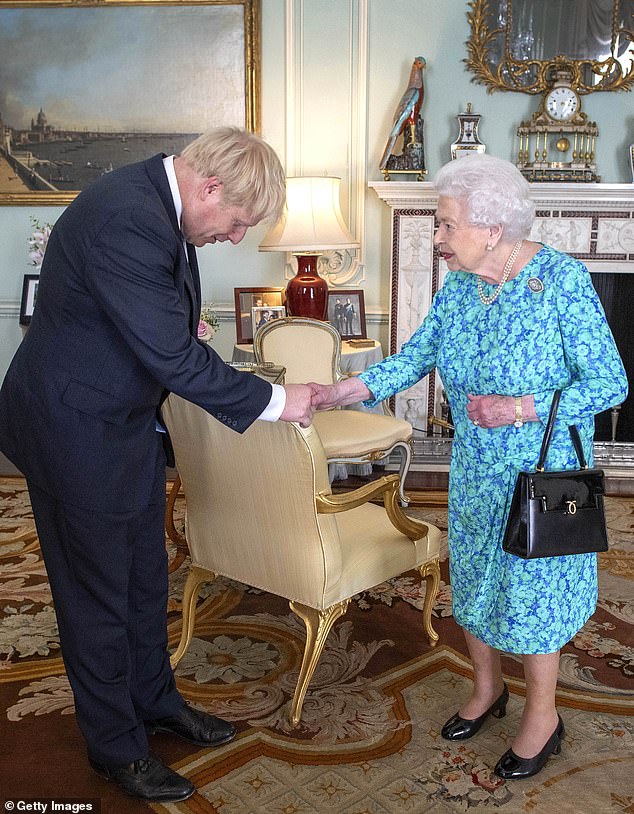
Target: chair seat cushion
{"type": "Point", "coordinates": [371, 548]}
{"type": "Point", "coordinates": [351, 433]}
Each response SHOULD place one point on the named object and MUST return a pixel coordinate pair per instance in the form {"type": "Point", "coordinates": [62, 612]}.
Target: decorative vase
{"type": "Point", "coordinates": [307, 292]}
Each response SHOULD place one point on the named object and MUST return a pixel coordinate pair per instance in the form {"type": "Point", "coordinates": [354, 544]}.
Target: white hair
{"type": "Point", "coordinates": [494, 190]}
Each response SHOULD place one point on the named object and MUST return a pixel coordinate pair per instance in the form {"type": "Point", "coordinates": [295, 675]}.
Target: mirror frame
{"type": "Point", "coordinates": [539, 72]}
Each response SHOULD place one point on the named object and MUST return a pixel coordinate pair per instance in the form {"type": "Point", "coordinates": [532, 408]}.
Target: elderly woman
{"type": "Point", "coordinates": [514, 321]}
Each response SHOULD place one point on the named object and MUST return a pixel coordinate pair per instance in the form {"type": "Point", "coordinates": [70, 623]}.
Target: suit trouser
{"type": "Point", "coordinates": [108, 577]}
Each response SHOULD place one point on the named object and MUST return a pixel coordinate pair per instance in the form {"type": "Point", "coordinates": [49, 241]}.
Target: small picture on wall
{"type": "Point", "coordinates": [262, 316]}
{"type": "Point", "coordinates": [29, 295]}
{"type": "Point", "coordinates": [346, 312]}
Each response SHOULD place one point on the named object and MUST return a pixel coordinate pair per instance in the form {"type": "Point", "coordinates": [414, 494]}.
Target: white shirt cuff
{"type": "Point", "coordinates": [276, 405]}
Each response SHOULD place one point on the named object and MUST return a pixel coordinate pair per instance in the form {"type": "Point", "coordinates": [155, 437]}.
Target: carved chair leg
{"type": "Point", "coordinates": [430, 572]}
{"type": "Point", "coordinates": [318, 624]}
{"type": "Point", "coordinates": [182, 549]}
{"type": "Point", "coordinates": [406, 459]}
{"type": "Point", "coordinates": [195, 579]}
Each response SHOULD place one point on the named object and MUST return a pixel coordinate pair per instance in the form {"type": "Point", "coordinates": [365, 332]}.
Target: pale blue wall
{"type": "Point", "coordinates": [399, 30]}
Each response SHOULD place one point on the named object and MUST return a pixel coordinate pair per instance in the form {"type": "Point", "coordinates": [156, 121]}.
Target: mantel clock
{"type": "Point", "coordinates": [558, 143]}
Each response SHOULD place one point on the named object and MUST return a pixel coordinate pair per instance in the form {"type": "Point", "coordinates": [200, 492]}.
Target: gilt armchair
{"type": "Point", "coordinates": [259, 510]}
{"type": "Point", "coordinates": [310, 350]}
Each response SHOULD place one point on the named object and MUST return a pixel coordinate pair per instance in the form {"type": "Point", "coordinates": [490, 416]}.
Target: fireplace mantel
{"type": "Point", "coordinates": [409, 193]}
{"type": "Point", "coordinates": [593, 222]}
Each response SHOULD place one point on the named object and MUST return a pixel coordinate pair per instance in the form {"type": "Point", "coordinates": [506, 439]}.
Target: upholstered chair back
{"type": "Point", "coordinates": [310, 350]}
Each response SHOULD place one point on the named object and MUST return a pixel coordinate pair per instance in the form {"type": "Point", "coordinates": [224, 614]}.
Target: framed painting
{"type": "Point", "coordinates": [346, 312]}
{"type": "Point", "coordinates": [247, 300]}
{"type": "Point", "coordinates": [86, 88]}
{"type": "Point", "coordinates": [29, 295]}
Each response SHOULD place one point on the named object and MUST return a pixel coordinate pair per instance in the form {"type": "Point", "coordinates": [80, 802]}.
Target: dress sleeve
{"type": "Point", "coordinates": [596, 376]}
{"type": "Point", "coordinates": [414, 361]}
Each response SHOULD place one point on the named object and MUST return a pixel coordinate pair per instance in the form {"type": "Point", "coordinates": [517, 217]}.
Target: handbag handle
{"type": "Point", "coordinates": [576, 442]}
{"type": "Point", "coordinates": [548, 433]}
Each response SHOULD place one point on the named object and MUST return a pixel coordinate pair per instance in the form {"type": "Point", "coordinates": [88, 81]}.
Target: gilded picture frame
{"type": "Point", "coordinates": [102, 91]}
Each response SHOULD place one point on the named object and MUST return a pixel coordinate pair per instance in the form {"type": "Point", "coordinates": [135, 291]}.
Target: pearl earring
{"type": "Point", "coordinates": [489, 247]}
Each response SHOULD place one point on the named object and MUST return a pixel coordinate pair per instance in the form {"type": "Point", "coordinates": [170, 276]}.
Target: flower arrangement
{"type": "Point", "coordinates": [209, 323]}
{"type": "Point", "coordinates": [38, 241]}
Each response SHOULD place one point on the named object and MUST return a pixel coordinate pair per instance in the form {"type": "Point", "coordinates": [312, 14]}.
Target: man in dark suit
{"type": "Point", "coordinates": [114, 331]}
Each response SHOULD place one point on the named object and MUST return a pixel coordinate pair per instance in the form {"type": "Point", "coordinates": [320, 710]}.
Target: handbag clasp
{"type": "Point", "coordinates": [571, 507]}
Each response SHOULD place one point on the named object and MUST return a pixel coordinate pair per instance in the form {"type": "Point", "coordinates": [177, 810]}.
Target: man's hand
{"type": "Point", "coordinates": [298, 404]}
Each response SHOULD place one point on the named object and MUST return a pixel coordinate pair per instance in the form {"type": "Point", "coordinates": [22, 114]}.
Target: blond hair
{"type": "Point", "coordinates": [249, 169]}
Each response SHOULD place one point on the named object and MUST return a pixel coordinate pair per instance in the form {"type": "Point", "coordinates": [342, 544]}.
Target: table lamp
{"type": "Point", "coordinates": [311, 225]}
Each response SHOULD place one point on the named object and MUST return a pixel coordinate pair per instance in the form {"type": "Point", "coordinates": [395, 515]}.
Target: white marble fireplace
{"type": "Point", "coordinates": [593, 222]}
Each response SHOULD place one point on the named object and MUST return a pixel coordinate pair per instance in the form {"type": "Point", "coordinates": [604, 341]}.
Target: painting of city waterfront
{"type": "Point", "coordinates": [87, 89]}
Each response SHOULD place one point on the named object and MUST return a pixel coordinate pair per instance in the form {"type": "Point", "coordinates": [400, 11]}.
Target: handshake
{"type": "Point", "coordinates": [302, 400]}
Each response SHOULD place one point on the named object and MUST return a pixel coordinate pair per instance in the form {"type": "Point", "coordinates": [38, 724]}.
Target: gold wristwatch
{"type": "Point", "coordinates": [519, 419]}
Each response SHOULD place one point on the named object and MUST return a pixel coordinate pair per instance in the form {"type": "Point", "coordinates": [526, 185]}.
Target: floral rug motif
{"type": "Point", "coordinates": [369, 738]}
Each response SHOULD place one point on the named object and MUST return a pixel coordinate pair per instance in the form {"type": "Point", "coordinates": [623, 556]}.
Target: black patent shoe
{"type": "Point", "coordinates": [194, 726]}
{"type": "Point", "coordinates": [459, 729]}
{"type": "Point", "coordinates": [148, 779]}
{"type": "Point", "coordinates": [512, 767]}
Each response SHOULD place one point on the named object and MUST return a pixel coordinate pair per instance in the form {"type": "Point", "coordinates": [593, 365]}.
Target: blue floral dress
{"type": "Point", "coordinates": [545, 331]}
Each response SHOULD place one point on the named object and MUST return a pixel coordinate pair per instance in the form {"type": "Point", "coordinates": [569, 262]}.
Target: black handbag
{"type": "Point", "coordinates": [557, 513]}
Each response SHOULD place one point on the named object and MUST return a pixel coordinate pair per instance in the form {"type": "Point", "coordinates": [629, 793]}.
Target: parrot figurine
{"type": "Point", "coordinates": [408, 110]}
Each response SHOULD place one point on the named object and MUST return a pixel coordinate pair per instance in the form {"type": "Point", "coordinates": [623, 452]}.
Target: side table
{"type": "Point", "coordinates": [353, 360]}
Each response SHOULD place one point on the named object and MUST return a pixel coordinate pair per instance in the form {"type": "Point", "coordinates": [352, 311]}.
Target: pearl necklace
{"type": "Point", "coordinates": [505, 275]}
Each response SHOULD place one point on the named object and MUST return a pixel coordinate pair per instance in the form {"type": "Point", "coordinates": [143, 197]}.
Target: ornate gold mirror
{"type": "Point", "coordinates": [518, 45]}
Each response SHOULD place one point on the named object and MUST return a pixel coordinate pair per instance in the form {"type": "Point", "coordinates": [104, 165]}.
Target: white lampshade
{"type": "Point", "coordinates": [312, 221]}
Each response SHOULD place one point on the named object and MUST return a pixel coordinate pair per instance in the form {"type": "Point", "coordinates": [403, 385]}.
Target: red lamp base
{"type": "Point", "coordinates": [307, 292]}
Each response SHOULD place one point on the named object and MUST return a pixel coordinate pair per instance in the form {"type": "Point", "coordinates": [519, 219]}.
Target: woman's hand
{"type": "Point", "coordinates": [498, 411]}
{"type": "Point", "coordinates": [347, 391]}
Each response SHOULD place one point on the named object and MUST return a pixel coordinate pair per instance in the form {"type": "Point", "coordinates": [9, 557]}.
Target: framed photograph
{"type": "Point", "coordinates": [29, 294]}
{"type": "Point", "coordinates": [89, 87]}
{"type": "Point", "coordinates": [346, 312]}
{"type": "Point", "coordinates": [260, 316]}
{"type": "Point", "coordinates": [248, 300]}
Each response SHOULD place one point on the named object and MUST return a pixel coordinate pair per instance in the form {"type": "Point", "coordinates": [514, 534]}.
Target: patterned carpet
{"type": "Point", "coordinates": [368, 742]}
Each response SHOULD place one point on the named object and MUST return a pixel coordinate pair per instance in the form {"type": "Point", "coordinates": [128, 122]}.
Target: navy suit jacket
{"type": "Point", "coordinates": [113, 331]}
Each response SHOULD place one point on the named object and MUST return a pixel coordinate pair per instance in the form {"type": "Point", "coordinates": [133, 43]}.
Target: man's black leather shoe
{"type": "Point", "coordinates": [194, 726]}
{"type": "Point", "coordinates": [148, 779]}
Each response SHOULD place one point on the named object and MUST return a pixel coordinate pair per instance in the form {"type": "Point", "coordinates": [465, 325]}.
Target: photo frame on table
{"type": "Point", "coordinates": [248, 299]}
{"type": "Point", "coordinates": [261, 316]}
{"type": "Point", "coordinates": [346, 312]}
{"type": "Point", "coordinates": [29, 295]}
{"type": "Point", "coordinates": [107, 104]}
